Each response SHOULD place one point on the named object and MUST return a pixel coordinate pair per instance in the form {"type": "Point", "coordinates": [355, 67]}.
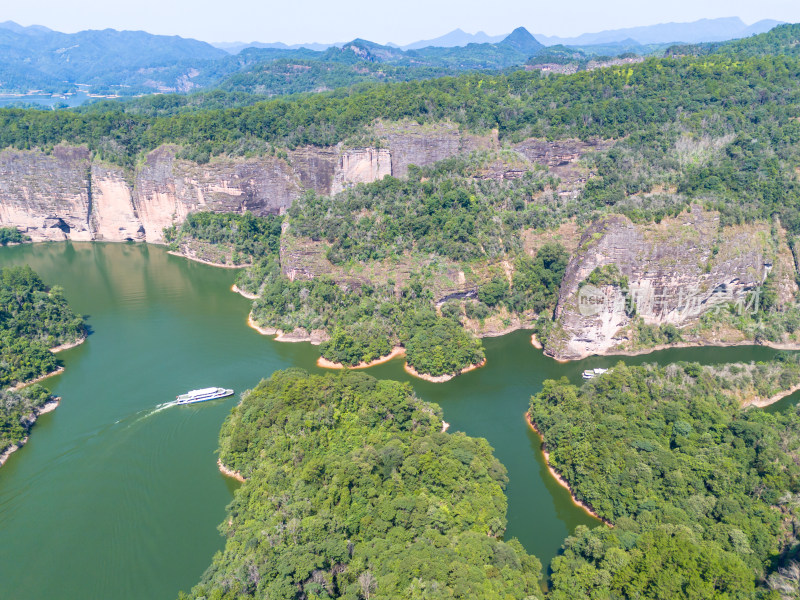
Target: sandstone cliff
{"type": "Point", "coordinates": [67, 195]}
{"type": "Point", "coordinates": [672, 272]}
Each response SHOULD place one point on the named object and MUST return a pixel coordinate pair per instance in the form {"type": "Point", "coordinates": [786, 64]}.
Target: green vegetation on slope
{"type": "Point", "coordinates": [445, 209]}
{"type": "Point", "coordinates": [354, 492]}
{"type": "Point", "coordinates": [11, 235]}
{"type": "Point", "coordinates": [365, 321]}
{"type": "Point", "coordinates": [18, 413]}
{"type": "Point", "coordinates": [241, 238]}
{"type": "Point", "coordinates": [610, 103]}
{"type": "Point", "coordinates": [33, 319]}
{"type": "Point", "coordinates": [701, 491]}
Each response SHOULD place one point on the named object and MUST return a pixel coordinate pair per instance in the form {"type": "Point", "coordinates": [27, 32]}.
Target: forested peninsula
{"type": "Point", "coordinates": [353, 491]}
{"type": "Point", "coordinates": [701, 491]}
{"type": "Point", "coordinates": [33, 320]}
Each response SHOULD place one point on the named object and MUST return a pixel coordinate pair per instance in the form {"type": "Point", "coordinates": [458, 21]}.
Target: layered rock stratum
{"type": "Point", "coordinates": [671, 272]}
{"type": "Point", "coordinates": [68, 194]}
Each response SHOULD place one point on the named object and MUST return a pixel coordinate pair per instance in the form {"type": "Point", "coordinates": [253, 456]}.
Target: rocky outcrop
{"type": "Point", "coordinates": [167, 189]}
{"type": "Point", "coordinates": [558, 153]}
{"type": "Point", "coordinates": [66, 194]}
{"type": "Point", "coordinates": [46, 196]}
{"type": "Point", "coordinates": [409, 143]}
{"type": "Point", "coordinates": [361, 165]}
{"type": "Point", "coordinates": [113, 216]}
{"type": "Point", "coordinates": [672, 272]}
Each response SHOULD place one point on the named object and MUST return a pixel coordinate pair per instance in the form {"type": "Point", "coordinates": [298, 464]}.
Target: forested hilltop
{"type": "Point", "coordinates": [702, 493]}
{"type": "Point", "coordinates": [33, 319]}
{"type": "Point", "coordinates": [354, 491]}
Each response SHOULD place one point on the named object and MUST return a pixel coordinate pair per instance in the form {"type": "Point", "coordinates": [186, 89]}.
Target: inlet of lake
{"type": "Point", "coordinates": [112, 499]}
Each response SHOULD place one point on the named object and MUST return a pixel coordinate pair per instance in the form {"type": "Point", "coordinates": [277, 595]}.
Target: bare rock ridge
{"type": "Point", "coordinates": [68, 195]}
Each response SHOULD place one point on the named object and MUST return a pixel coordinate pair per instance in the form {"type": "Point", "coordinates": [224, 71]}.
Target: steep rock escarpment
{"type": "Point", "coordinates": [67, 195]}
{"type": "Point", "coordinates": [113, 216]}
{"type": "Point", "coordinates": [167, 189]}
{"type": "Point", "coordinates": [409, 143]}
{"type": "Point", "coordinates": [46, 195]}
{"type": "Point", "coordinates": [361, 165]}
{"type": "Point", "coordinates": [671, 272]}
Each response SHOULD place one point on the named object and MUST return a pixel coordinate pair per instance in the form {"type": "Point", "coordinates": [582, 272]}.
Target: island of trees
{"type": "Point", "coordinates": [33, 319]}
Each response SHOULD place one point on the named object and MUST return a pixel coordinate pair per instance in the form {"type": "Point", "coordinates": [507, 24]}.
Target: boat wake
{"type": "Point", "coordinates": [152, 411]}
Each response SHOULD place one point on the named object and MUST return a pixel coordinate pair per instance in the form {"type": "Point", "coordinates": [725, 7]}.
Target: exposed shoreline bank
{"type": "Point", "coordinates": [235, 289]}
{"type": "Point", "coordinates": [24, 384]}
{"type": "Point", "coordinates": [329, 364]}
{"type": "Point", "coordinates": [677, 346]}
{"type": "Point", "coordinates": [68, 345]}
{"type": "Point", "coordinates": [49, 406]}
{"type": "Point", "coordinates": [228, 472]}
{"type": "Point", "coordinates": [557, 476]}
{"type": "Point", "coordinates": [205, 262]}
{"type": "Point", "coordinates": [764, 402]}
{"type": "Point", "coordinates": [298, 335]}
{"type": "Point", "coordinates": [442, 378]}
{"type": "Point", "coordinates": [56, 371]}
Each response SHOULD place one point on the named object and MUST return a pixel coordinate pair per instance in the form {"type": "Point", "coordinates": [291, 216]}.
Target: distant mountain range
{"type": "Point", "coordinates": [703, 30]}
{"type": "Point", "coordinates": [110, 62]}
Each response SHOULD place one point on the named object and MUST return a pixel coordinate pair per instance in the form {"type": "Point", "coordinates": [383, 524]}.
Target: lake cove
{"type": "Point", "coordinates": [113, 499]}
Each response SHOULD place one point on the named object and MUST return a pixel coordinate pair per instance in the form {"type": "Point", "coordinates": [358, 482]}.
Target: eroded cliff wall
{"type": "Point", "coordinates": [46, 195]}
{"type": "Point", "coordinates": [67, 195]}
{"type": "Point", "coordinates": [670, 273]}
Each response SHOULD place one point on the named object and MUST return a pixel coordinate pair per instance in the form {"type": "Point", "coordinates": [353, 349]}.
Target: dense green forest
{"type": "Point", "coordinates": [445, 209]}
{"type": "Point", "coordinates": [33, 319]}
{"type": "Point", "coordinates": [239, 238]}
{"type": "Point", "coordinates": [365, 321]}
{"type": "Point", "coordinates": [701, 492]}
{"type": "Point", "coordinates": [695, 94]}
{"type": "Point", "coordinates": [353, 491]}
{"type": "Point", "coordinates": [17, 413]}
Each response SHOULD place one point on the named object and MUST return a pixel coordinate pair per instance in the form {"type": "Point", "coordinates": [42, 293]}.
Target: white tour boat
{"type": "Point", "coordinates": [203, 395]}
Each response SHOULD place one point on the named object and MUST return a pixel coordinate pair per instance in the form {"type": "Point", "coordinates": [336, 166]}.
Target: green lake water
{"type": "Point", "coordinates": [111, 499]}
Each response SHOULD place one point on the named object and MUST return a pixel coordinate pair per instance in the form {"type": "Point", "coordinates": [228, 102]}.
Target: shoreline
{"type": "Point", "coordinates": [679, 345]}
{"type": "Point", "coordinates": [68, 345]}
{"type": "Point", "coordinates": [764, 402]}
{"type": "Point", "coordinates": [557, 476]}
{"type": "Point", "coordinates": [329, 364]}
{"type": "Point", "coordinates": [24, 384]}
{"type": "Point", "coordinates": [47, 407]}
{"type": "Point", "coordinates": [283, 336]}
{"type": "Point", "coordinates": [228, 472]}
{"type": "Point", "coordinates": [235, 289]}
{"type": "Point", "coordinates": [205, 262]}
{"type": "Point", "coordinates": [442, 378]}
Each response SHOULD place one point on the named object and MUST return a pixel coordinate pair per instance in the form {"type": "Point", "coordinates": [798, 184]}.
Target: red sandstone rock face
{"type": "Point", "coordinates": [676, 271]}
{"type": "Point", "coordinates": [67, 195]}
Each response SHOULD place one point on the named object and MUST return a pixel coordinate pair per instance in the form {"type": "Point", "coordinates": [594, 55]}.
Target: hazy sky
{"type": "Point", "coordinates": [402, 21]}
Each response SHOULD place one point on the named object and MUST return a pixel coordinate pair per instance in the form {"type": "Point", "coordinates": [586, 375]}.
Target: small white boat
{"type": "Point", "coordinates": [203, 395]}
{"type": "Point", "coordinates": [592, 373]}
